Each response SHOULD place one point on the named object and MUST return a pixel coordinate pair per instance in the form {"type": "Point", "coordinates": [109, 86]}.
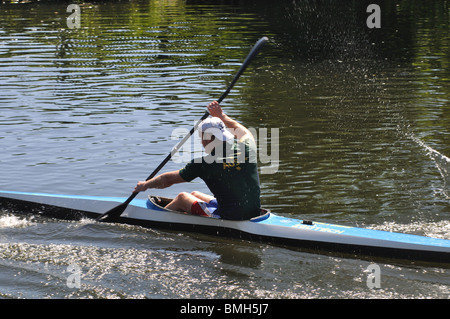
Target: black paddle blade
{"type": "Point", "coordinates": [113, 214]}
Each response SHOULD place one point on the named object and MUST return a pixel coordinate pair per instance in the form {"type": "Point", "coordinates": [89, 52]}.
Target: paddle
{"type": "Point", "coordinates": [113, 214]}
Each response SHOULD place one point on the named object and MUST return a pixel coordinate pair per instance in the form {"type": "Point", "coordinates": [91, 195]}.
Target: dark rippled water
{"type": "Point", "coordinates": [363, 118]}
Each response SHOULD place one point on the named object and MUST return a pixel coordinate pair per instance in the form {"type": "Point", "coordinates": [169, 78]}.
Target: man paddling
{"type": "Point", "coordinates": [229, 170]}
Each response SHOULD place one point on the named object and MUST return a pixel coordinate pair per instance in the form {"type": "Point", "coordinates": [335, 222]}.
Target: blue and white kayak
{"type": "Point", "coordinates": [269, 227]}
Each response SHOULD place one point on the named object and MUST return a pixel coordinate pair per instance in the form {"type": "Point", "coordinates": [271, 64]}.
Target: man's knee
{"type": "Point", "coordinates": [201, 196]}
{"type": "Point", "coordinates": [183, 196]}
{"type": "Point", "coordinates": [196, 194]}
{"type": "Point", "coordinates": [182, 202]}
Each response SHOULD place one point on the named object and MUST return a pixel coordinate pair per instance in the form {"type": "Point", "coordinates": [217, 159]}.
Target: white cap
{"type": "Point", "coordinates": [215, 126]}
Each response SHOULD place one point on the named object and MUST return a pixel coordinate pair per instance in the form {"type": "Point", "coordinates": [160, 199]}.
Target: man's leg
{"type": "Point", "coordinates": [182, 202]}
{"type": "Point", "coordinates": [201, 196]}
{"type": "Point", "coordinates": [206, 205]}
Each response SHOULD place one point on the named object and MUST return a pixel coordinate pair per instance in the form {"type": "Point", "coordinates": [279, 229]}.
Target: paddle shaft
{"type": "Point", "coordinates": [117, 211]}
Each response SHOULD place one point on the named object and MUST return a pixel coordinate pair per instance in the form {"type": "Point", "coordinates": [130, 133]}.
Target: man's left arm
{"type": "Point", "coordinates": [239, 130]}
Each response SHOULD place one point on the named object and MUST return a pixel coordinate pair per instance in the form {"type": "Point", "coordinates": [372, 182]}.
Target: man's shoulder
{"type": "Point", "coordinates": [248, 145]}
{"type": "Point", "coordinates": [247, 140]}
{"type": "Point", "coordinates": [191, 170]}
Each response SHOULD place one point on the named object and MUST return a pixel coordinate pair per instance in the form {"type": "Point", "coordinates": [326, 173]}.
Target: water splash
{"type": "Point", "coordinates": [441, 161]}
{"type": "Point", "coordinates": [11, 221]}
{"type": "Point", "coordinates": [439, 229]}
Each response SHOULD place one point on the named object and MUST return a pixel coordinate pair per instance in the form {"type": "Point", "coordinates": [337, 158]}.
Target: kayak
{"type": "Point", "coordinates": [268, 227]}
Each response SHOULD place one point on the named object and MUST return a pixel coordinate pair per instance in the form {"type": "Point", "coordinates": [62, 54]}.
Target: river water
{"type": "Point", "coordinates": [357, 124]}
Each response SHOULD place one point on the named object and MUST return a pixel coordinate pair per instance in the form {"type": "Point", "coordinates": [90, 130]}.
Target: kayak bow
{"type": "Point", "coordinates": [269, 227]}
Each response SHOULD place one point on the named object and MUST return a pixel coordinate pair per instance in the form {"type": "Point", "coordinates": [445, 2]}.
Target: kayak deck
{"type": "Point", "coordinates": [268, 218]}
{"type": "Point", "coordinates": [269, 227]}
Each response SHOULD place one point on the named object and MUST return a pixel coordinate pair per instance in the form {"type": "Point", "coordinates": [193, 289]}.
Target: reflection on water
{"type": "Point", "coordinates": [92, 110]}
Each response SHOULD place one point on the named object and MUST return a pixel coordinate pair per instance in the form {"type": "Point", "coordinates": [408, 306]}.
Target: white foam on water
{"type": "Point", "coordinates": [11, 221]}
{"type": "Point", "coordinates": [439, 229]}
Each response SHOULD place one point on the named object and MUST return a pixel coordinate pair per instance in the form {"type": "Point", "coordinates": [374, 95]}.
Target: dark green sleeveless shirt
{"type": "Point", "coordinates": [232, 177]}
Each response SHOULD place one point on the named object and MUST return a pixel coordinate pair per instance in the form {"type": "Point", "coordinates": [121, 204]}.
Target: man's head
{"type": "Point", "coordinates": [214, 129]}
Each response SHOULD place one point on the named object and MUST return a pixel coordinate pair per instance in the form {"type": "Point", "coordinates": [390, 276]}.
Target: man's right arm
{"type": "Point", "coordinates": [161, 181]}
